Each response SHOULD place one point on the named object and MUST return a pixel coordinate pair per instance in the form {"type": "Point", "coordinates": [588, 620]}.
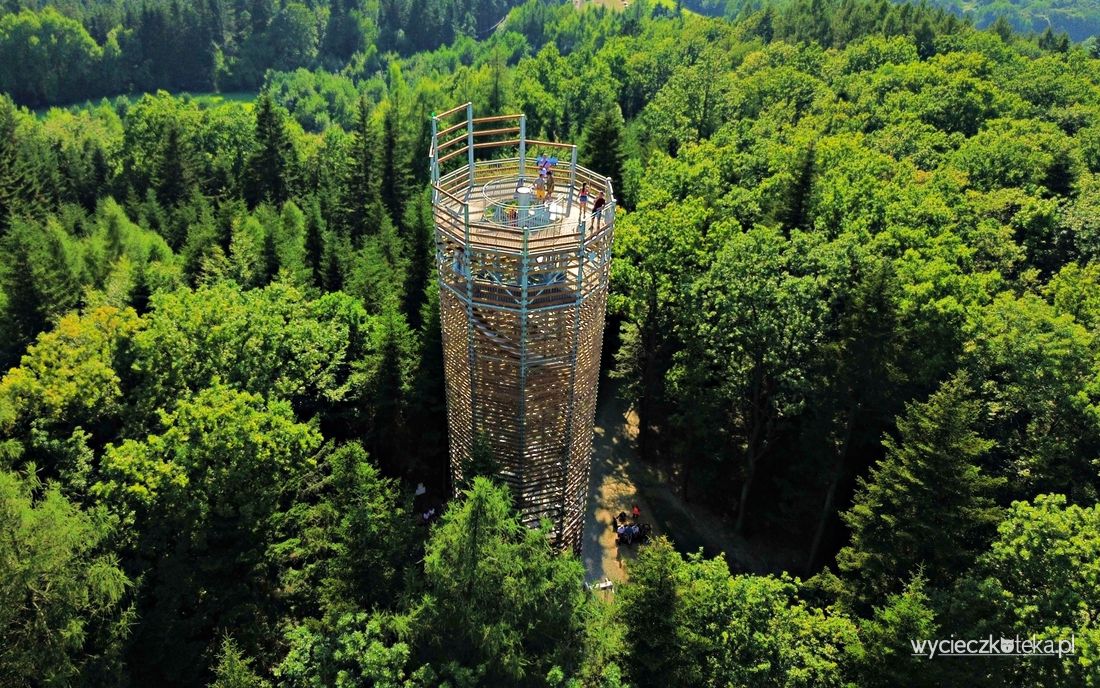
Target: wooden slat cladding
{"type": "Point", "coordinates": [522, 302]}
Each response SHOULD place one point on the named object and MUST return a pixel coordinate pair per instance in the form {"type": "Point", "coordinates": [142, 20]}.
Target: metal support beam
{"type": "Point", "coordinates": [572, 181]}
{"type": "Point", "coordinates": [470, 139]}
{"type": "Point", "coordinates": [471, 350]}
{"type": "Point", "coordinates": [524, 268]}
{"type": "Point", "coordinates": [435, 157]}
{"type": "Point", "coordinates": [522, 147]}
{"type": "Point", "coordinates": [570, 413]}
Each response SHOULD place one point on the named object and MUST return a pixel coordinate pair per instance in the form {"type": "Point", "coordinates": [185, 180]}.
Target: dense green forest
{"type": "Point", "coordinates": [856, 305]}
{"type": "Point", "coordinates": [1078, 20]}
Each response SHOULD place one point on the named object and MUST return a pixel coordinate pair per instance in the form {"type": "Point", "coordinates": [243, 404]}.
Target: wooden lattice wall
{"type": "Point", "coordinates": [522, 314]}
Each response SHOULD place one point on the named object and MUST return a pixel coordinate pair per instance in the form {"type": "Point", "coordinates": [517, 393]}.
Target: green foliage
{"type": "Point", "coordinates": [63, 615]}
{"type": "Point", "coordinates": [482, 463]}
{"type": "Point", "coordinates": [603, 144]}
{"type": "Point", "coordinates": [927, 505]}
{"type": "Point", "coordinates": [691, 623]}
{"type": "Point", "coordinates": [346, 544]}
{"type": "Point", "coordinates": [68, 382]}
{"type": "Point", "coordinates": [209, 481]}
{"type": "Point", "coordinates": [1037, 365]}
{"type": "Point", "coordinates": [1038, 579]}
{"type": "Point", "coordinates": [233, 670]}
{"type": "Point", "coordinates": [511, 607]}
{"type": "Point", "coordinates": [271, 341]}
{"type": "Point", "coordinates": [271, 168]}
{"type": "Point", "coordinates": [886, 636]}
{"type": "Point", "coordinates": [825, 210]}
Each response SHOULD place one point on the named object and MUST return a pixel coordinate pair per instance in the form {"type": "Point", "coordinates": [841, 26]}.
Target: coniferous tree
{"type": "Point", "coordinates": [234, 670]}
{"type": "Point", "coordinates": [393, 361]}
{"type": "Point", "coordinates": [62, 611]}
{"type": "Point", "coordinates": [396, 153]}
{"type": "Point", "coordinates": [511, 606]}
{"type": "Point", "coordinates": [175, 177]}
{"type": "Point", "coordinates": [651, 610]}
{"type": "Point", "coordinates": [270, 170]}
{"type": "Point", "coordinates": [315, 241]}
{"type": "Point", "coordinates": [420, 245]}
{"type": "Point", "coordinates": [363, 184]}
{"type": "Point", "coordinates": [19, 192]}
{"type": "Point", "coordinates": [927, 506]}
{"type": "Point", "coordinates": [39, 277]}
{"type": "Point", "coordinates": [603, 144]}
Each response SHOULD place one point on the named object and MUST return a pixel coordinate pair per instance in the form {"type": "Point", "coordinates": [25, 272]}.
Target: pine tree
{"type": "Point", "coordinates": [798, 198]}
{"type": "Point", "coordinates": [420, 249]}
{"type": "Point", "coordinates": [396, 153]}
{"type": "Point", "coordinates": [175, 177]}
{"type": "Point", "coordinates": [270, 169]}
{"type": "Point", "coordinates": [292, 245]}
{"type": "Point", "coordinates": [395, 345]}
{"type": "Point", "coordinates": [336, 247]}
{"type": "Point", "coordinates": [927, 505]}
{"type": "Point", "coordinates": [482, 462]}
{"type": "Point", "coordinates": [603, 144]}
{"type": "Point", "coordinates": [651, 610]}
{"type": "Point", "coordinates": [39, 277]}
{"type": "Point", "coordinates": [19, 192]}
{"type": "Point", "coordinates": [925, 39]}
{"type": "Point", "coordinates": [315, 241]}
{"type": "Point", "coordinates": [234, 670]}
{"type": "Point", "coordinates": [363, 184]}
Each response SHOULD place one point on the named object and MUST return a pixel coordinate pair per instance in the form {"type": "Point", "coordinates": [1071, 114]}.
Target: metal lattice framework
{"type": "Point", "coordinates": [523, 289]}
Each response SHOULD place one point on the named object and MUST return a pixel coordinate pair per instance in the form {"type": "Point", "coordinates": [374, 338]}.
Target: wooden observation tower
{"type": "Point", "coordinates": [523, 288]}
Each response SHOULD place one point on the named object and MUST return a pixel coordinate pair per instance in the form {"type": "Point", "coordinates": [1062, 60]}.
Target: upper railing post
{"type": "Point", "coordinates": [522, 146]}
{"type": "Point", "coordinates": [435, 158]}
{"type": "Point", "coordinates": [470, 140]}
{"type": "Point", "coordinates": [572, 180]}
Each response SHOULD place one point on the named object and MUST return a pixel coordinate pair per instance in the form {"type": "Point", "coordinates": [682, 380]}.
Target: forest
{"type": "Point", "coordinates": [855, 304]}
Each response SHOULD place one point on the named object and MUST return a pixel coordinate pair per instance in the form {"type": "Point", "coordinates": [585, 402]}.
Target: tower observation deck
{"type": "Point", "coordinates": [523, 277]}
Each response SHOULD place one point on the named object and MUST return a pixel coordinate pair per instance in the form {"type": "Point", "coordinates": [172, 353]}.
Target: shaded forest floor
{"type": "Point", "coordinates": [620, 479]}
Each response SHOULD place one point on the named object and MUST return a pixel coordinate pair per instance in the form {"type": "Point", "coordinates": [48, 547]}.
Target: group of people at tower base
{"type": "Point", "coordinates": [630, 530]}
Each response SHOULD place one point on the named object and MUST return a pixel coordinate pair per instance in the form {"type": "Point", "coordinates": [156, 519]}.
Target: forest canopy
{"type": "Point", "coordinates": [855, 306]}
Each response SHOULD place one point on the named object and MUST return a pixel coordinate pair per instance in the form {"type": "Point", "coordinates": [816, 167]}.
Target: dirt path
{"type": "Point", "coordinates": [611, 489]}
{"type": "Point", "coordinates": [619, 480]}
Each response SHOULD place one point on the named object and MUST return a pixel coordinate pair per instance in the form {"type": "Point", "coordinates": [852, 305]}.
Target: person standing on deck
{"type": "Point", "coordinates": [597, 208]}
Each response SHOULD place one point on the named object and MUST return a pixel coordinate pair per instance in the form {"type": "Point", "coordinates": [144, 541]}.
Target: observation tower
{"type": "Point", "coordinates": [523, 274]}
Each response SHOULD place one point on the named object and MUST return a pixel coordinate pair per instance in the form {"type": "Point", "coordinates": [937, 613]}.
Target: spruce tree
{"type": "Point", "coordinates": [396, 153]}
{"type": "Point", "coordinates": [420, 250]}
{"type": "Point", "coordinates": [603, 144]}
{"type": "Point", "coordinates": [234, 669]}
{"type": "Point", "coordinates": [927, 505]}
{"type": "Point", "coordinates": [362, 185]}
{"type": "Point", "coordinates": [39, 277]}
{"type": "Point", "coordinates": [19, 192]}
{"type": "Point", "coordinates": [175, 177]}
{"type": "Point", "coordinates": [270, 169]}
{"type": "Point", "coordinates": [315, 241]}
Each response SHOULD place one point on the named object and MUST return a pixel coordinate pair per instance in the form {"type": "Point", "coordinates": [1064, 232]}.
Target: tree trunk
{"type": "Point", "coordinates": [742, 507]}
{"type": "Point", "coordinates": [649, 373]}
{"type": "Point", "coordinates": [830, 494]}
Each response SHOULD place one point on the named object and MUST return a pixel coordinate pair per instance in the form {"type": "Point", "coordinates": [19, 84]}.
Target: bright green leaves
{"type": "Point", "coordinates": [511, 606]}
{"type": "Point", "coordinates": [62, 610]}
{"type": "Point", "coordinates": [271, 340]}
{"type": "Point", "coordinates": [928, 505]}
{"type": "Point", "coordinates": [220, 453]}
{"type": "Point", "coordinates": [691, 623]}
